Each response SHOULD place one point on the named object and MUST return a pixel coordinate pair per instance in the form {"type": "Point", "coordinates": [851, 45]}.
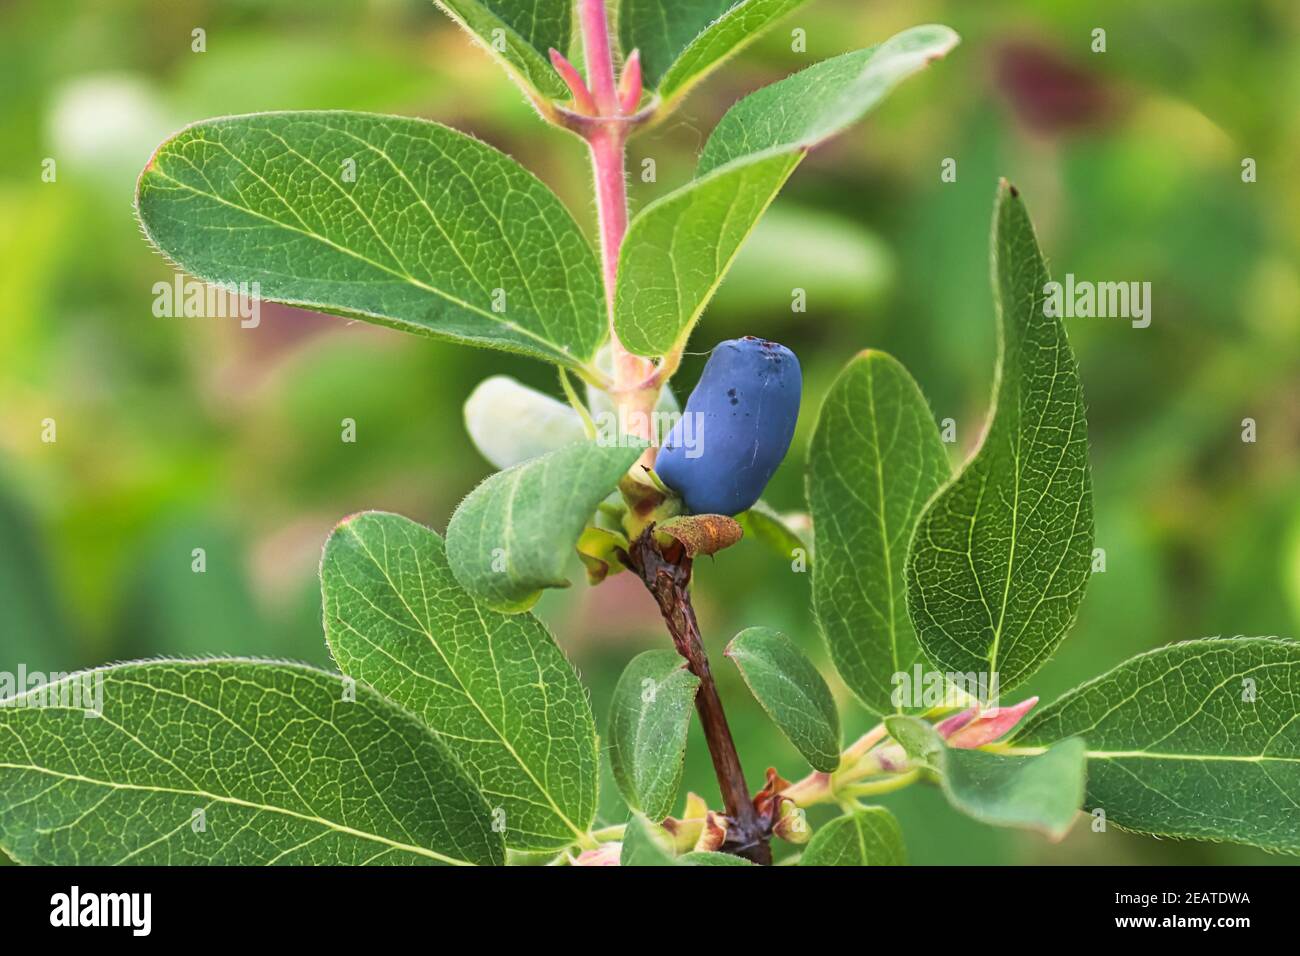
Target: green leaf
{"type": "Point", "coordinates": [494, 687]}
{"type": "Point", "coordinates": [284, 762]}
{"type": "Point", "coordinates": [870, 836]}
{"type": "Point", "coordinates": [792, 692]}
{"type": "Point", "coordinates": [679, 248]}
{"type": "Point", "coordinates": [396, 221]}
{"type": "Point", "coordinates": [875, 459]}
{"type": "Point", "coordinates": [1041, 792]}
{"type": "Point", "coordinates": [682, 41]}
{"type": "Point", "coordinates": [648, 721]}
{"type": "Point", "coordinates": [514, 534]}
{"type": "Point", "coordinates": [1199, 740]}
{"type": "Point", "coordinates": [1002, 553]}
{"type": "Point", "coordinates": [519, 34]}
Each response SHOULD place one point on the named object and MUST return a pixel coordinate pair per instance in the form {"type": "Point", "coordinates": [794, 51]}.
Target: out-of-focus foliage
{"type": "Point", "coordinates": [175, 434]}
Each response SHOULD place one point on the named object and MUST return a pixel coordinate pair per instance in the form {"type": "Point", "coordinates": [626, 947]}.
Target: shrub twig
{"type": "Point", "coordinates": [666, 574]}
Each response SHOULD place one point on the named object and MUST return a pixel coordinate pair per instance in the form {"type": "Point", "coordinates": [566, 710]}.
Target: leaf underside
{"type": "Point", "coordinates": [494, 687]}
{"type": "Point", "coordinates": [1199, 740]}
{"type": "Point", "coordinates": [875, 459]}
{"type": "Point", "coordinates": [396, 221]}
{"type": "Point", "coordinates": [232, 762]}
{"type": "Point", "coordinates": [1002, 554]}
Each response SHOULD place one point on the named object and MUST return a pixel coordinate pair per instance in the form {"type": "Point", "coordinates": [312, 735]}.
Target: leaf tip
{"type": "Point", "coordinates": [348, 520]}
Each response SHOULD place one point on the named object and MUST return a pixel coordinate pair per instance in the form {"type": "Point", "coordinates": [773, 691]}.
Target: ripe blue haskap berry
{"type": "Point", "coordinates": [736, 427]}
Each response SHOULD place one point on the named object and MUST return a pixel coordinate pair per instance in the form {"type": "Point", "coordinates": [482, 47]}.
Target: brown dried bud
{"type": "Point", "coordinates": [701, 534]}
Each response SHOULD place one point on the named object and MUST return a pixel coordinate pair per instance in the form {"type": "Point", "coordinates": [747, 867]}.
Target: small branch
{"type": "Point", "coordinates": [875, 788]}
{"type": "Point", "coordinates": [866, 757]}
{"type": "Point", "coordinates": [667, 577]}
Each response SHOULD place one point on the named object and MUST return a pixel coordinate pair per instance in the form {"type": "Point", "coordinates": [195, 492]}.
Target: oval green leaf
{"type": "Point", "coordinates": [494, 687]}
{"type": "Point", "coordinates": [1002, 554]}
{"type": "Point", "coordinates": [1199, 740]}
{"type": "Point", "coordinates": [792, 692]}
{"type": "Point", "coordinates": [396, 221]}
{"type": "Point", "coordinates": [648, 723]}
{"type": "Point", "coordinates": [515, 533]}
{"type": "Point", "coordinates": [875, 459]}
{"type": "Point", "coordinates": [230, 762]}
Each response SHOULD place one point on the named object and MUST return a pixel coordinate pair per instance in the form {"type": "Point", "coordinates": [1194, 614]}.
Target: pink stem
{"type": "Point", "coordinates": [607, 142]}
{"type": "Point", "coordinates": [600, 56]}
{"type": "Point", "coordinates": [607, 158]}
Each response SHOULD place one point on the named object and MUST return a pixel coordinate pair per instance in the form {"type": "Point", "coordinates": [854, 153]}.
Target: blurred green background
{"type": "Point", "coordinates": [176, 434]}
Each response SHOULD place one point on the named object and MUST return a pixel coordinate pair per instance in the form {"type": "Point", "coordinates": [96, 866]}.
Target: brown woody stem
{"type": "Point", "coordinates": [666, 574]}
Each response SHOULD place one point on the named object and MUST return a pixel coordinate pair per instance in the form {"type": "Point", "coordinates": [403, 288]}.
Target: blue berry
{"type": "Point", "coordinates": [736, 427]}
